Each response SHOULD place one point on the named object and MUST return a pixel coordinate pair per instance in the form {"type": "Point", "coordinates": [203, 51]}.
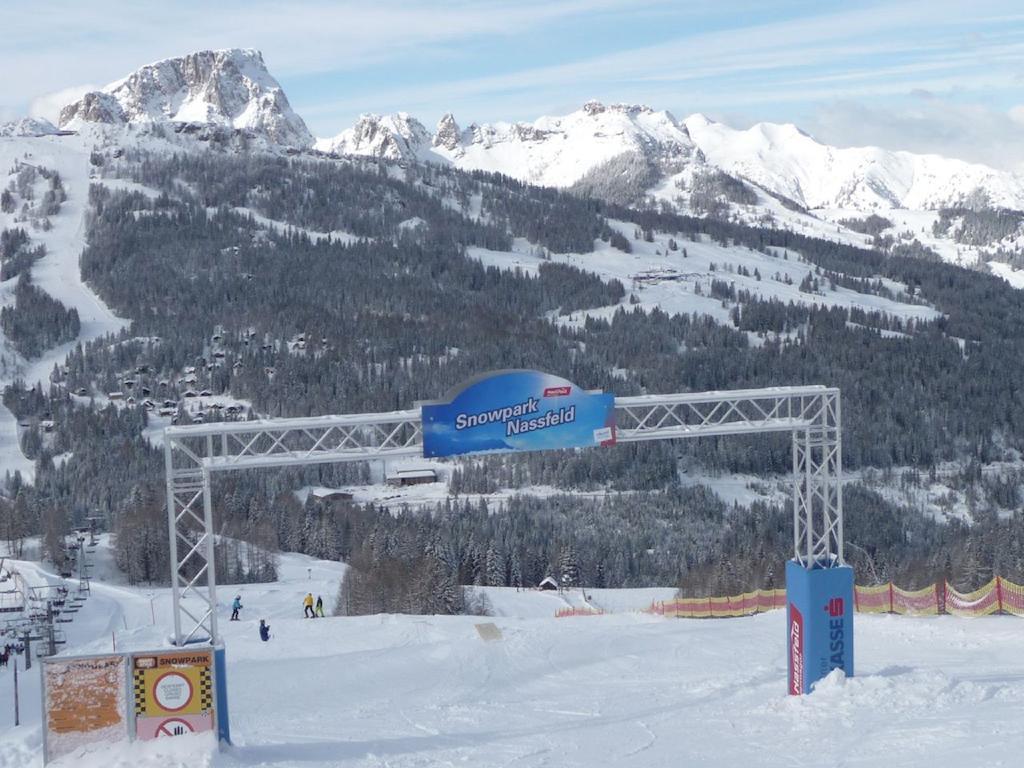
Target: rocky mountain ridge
{"type": "Point", "coordinates": [781, 159]}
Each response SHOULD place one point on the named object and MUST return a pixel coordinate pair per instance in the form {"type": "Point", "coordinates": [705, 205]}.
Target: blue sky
{"type": "Point", "coordinates": [927, 75]}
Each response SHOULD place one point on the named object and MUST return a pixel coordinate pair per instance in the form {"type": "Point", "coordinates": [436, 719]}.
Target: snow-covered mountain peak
{"type": "Point", "coordinates": [698, 119]}
{"type": "Point", "coordinates": [629, 118]}
{"type": "Point", "coordinates": [781, 132]}
{"type": "Point", "coordinates": [27, 126]}
{"type": "Point", "coordinates": [230, 88]}
{"type": "Point", "coordinates": [398, 136]}
{"type": "Point", "coordinates": [594, 107]}
{"type": "Point", "coordinates": [447, 134]}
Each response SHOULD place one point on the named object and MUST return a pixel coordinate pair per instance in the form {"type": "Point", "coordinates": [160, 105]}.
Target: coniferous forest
{"type": "Point", "coordinates": [229, 261]}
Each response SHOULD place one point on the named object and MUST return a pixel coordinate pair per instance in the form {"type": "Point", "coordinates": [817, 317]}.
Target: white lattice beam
{"type": "Point", "coordinates": [194, 452]}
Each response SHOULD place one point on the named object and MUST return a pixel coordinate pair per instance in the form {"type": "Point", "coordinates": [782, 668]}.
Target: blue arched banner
{"type": "Point", "coordinates": [517, 411]}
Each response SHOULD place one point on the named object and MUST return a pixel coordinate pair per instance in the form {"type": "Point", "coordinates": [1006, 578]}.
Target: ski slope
{"type": "Point", "coordinates": [622, 689]}
{"type": "Point", "coordinates": [57, 273]}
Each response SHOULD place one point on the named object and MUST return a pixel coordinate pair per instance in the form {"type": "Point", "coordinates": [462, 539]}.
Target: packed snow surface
{"type": "Point", "coordinates": [623, 689]}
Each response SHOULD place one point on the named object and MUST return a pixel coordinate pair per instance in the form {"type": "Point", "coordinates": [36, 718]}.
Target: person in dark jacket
{"type": "Point", "coordinates": [264, 630]}
{"type": "Point", "coordinates": [319, 606]}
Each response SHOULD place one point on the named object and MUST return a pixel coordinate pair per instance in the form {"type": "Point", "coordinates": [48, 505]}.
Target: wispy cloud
{"type": "Point", "coordinates": [49, 105]}
{"type": "Point", "coordinates": [338, 43]}
{"type": "Point", "coordinates": [930, 124]}
{"type": "Point", "coordinates": [47, 43]}
{"type": "Point", "coordinates": [864, 46]}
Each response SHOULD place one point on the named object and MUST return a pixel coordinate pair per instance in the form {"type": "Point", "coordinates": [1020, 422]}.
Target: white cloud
{"type": "Point", "coordinates": [929, 124]}
{"type": "Point", "coordinates": [46, 43]}
{"type": "Point", "coordinates": [50, 104]}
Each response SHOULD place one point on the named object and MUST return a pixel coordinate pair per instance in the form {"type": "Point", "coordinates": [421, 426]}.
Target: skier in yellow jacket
{"type": "Point", "coordinates": [308, 602]}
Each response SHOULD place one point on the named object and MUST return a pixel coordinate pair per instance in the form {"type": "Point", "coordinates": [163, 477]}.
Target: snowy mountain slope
{"type": "Point", "coordinates": [230, 88]}
{"type": "Point", "coordinates": [785, 160]}
{"type": "Point", "coordinates": [27, 126]}
{"type": "Point", "coordinates": [616, 690]}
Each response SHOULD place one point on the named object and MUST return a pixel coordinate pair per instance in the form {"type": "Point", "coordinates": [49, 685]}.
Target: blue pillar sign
{"type": "Point", "coordinates": [518, 411]}
{"type": "Point", "coordinates": [819, 623]}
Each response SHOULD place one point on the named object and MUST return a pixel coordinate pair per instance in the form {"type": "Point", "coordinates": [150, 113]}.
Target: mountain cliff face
{"type": "Point", "coordinates": [230, 88]}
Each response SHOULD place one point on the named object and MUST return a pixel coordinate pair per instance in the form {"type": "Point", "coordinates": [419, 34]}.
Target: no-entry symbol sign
{"type": "Point", "coordinates": [148, 728]}
{"type": "Point", "coordinates": [173, 691]}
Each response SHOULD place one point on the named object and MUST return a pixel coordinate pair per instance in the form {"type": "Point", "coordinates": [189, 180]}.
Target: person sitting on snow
{"type": "Point", "coordinates": [264, 630]}
{"type": "Point", "coordinates": [236, 606]}
{"type": "Point", "coordinates": [308, 603]}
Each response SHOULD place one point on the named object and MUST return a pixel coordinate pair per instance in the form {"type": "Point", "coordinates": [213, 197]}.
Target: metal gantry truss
{"type": "Point", "coordinates": [812, 414]}
{"type": "Point", "coordinates": [193, 453]}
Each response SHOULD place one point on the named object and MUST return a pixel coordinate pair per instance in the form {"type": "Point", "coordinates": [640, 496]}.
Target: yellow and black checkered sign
{"type": "Point", "coordinates": [205, 690]}
{"type": "Point", "coordinates": [171, 684]}
{"type": "Point", "coordinates": [139, 686]}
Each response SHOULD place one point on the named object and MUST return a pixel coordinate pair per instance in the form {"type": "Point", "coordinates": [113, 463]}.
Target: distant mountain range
{"type": "Point", "coordinates": [629, 153]}
{"type": "Point", "coordinates": [781, 159]}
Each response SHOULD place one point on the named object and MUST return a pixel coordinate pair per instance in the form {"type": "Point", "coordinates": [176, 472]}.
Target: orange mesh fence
{"type": "Point", "coordinates": [1012, 597]}
{"type": "Point", "coordinates": [873, 599]}
{"type": "Point", "coordinates": [998, 596]}
{"type": "Point", "coordinates": [919, 602]}
{"type": "Point", "coordinates": [746, 604]}
{"type": "Point", "coordinates": [566, 612]}
{"type": "Point", "coordinates": [980, 602]}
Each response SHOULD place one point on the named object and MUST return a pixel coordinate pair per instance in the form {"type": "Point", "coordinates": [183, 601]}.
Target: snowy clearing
{"type": "Point", "coordinates": [680, 281]}
{"type": "Point", "coordinates": [624, 689]}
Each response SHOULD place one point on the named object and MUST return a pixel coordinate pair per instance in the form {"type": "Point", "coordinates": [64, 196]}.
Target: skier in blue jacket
{"type": "Point", "coordinates": [236, 606]}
